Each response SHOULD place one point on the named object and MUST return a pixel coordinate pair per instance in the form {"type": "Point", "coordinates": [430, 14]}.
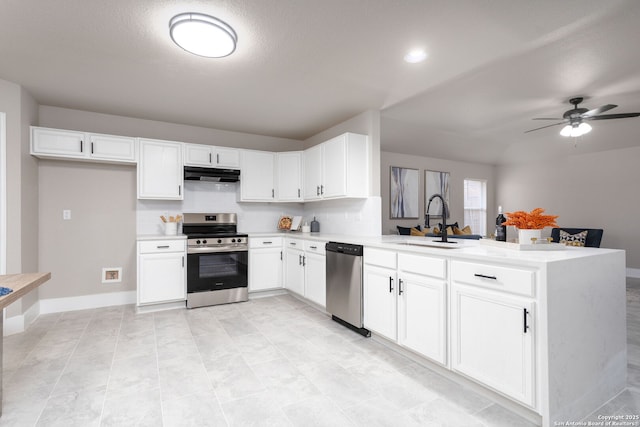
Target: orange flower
{"type": "Point", "coordinates": [533, 220]}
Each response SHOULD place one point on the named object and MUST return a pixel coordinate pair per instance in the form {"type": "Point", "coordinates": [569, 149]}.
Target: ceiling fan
{"type": "Point", "coordinates": [576, 118]}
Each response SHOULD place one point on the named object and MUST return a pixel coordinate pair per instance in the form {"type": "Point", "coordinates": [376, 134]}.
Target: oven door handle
{"type": "Point", "coordinates": [216, 250]}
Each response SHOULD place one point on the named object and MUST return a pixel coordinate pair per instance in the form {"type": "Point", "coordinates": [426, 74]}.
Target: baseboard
{"type": "Point", "coordinates": [633, 272]}
{"type": "Point", "coordinates": [16, 324]}
{"type": "Point", "coordinates": [85, 302]}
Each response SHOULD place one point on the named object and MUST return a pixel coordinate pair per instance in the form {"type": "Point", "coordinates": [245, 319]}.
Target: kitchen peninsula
{"type": "Point", "coordinates": [543, 331]}
{"type": "Point", "coordinates": [20, 284]}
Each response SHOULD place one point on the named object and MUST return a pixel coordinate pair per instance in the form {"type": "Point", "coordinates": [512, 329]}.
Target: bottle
{"type": "Point", "coordinates": [501, 230]}
{"type": "Point", "coordinates": [315, 226]}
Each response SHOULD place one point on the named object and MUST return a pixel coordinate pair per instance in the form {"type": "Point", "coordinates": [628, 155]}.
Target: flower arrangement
{"type": "Point", "coordinates": [533, 220]}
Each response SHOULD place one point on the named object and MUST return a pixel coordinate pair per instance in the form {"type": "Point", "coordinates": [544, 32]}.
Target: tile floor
{"type": "Point", "coordinates": [268, 362]}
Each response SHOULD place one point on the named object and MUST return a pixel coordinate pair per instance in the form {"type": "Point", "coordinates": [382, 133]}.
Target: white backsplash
{"type": "Point", "coordinates": [353, 216]}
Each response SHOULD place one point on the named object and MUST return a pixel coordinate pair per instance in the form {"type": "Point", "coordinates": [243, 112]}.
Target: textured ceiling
{"type": "Point", "coordinates": [302, 66]}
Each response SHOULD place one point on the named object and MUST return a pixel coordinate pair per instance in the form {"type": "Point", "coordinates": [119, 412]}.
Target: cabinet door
{"type": "Point", "coordinates": [294, 271]}
{"type": "Point", "coordinates": [492, 340]}
{"type": "Point", "coordinates": [198, 155]}
{"type": "Point", "coordinates": [256, 181]}
{"type": "Point", "coordinates": [289, 176]}
{"type": "Point", "coordinates": [59, 143]}
{"type": "Point", "coordinates": [312, 159]}
{"type": "Point", "coordinates": [161, 278]}
{"type": "Point", "coordinates": [422, 315]}
{"type": "Point", "coordinates": [160, 172]}
{"type": "Point", "coordinates": [315, 277]}
{"type": "Point", "coordinates": [114, 148]}
{"type": "Point", "coordinates": [226, 157]}
{"type": "Point", "coordinates": [334, 172]}
{"type": "Point", "coordinates": [265, 269]}
{"type": "Point", "coordinates": [380, 301]}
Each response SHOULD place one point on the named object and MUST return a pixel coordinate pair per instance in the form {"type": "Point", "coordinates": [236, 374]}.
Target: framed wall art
{"type": "Point", "coordinates": [404, 192]}
{"type": "Point", "coordinates": [436, 182]}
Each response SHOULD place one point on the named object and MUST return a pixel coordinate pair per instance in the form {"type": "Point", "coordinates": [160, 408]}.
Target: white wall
{"type": "Point", "coordinates": [459, 171]}
{"type": "Point", "coordinates": [214, 197]}
{"type": "Point", "coordinates": [597, 190]}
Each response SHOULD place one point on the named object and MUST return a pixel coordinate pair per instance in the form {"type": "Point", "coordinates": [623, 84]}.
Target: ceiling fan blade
{"type": "Point", "coordinates": [548, 118]}
{"type": "Point", "coordinates": [613, 116]}
{"type": "Point", "coordinates": [598, 110]}
{"type": "Point", "coordinates": [548, 126]}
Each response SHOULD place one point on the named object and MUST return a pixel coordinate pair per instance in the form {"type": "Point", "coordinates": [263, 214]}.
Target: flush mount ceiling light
{"type": "Point", "coordinates": [415, 56]}
{"type": "Point", "coordinates": [203, 35]}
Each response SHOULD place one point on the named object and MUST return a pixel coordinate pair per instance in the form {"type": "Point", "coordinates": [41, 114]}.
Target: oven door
{"type": "Point", "coordinates": [212, 271]}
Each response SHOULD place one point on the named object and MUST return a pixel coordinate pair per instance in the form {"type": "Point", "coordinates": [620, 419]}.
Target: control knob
{"type": "Point", "coordinates": [197, 242]}
{"type": "Point", "coordinates": [219, 240]}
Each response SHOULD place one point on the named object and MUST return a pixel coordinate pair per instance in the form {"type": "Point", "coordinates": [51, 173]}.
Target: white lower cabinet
{"type": "Point", "coordinates": [294, 267]}
{"type": "Point", "coordinates": [493, 331]}
{"type": "Point", "coordinates": [315, 274]}
{"type": "Point", "coordinates": [405, 300]}
{"type": "Point", "coordinates": [305, 269]}
{"type": "Point", "coordinates": [380, 300]}
{"type": "Point", "coordinates": [161, 271]}
{"type": "Point", "coordinates": [265, 263]}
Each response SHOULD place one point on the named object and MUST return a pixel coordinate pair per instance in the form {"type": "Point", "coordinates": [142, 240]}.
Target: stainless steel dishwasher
{"type": "Point", "coordinates": [344, 285]}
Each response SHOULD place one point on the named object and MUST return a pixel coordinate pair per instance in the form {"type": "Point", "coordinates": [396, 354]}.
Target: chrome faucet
{"type": "Point", "coordinates": [445, 210]}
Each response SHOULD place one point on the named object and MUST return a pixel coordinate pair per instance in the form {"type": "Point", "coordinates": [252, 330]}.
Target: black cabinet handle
{"type": "Point", "coordinates": [313, 247]}
{"type": "Point", "coordinates": [322, 189]}
{"type": "Point", "coordinates": [304, 260]}
{"type": "Point", "coordinates": [179, 190]}
{"type": "Point", "coordinates": [218, 158]}
{"type": "Point", "coordinates": [81, 146]}
{"type": "Point", "coordinates": [209, 158]}
{"type": "Point", "coordinates": [292, 243]}
{"type": "Point", "coordinates": [163, 247]}
{"type": "Point", "coordinates": [273, 193]}
{"type": "Point", "coordinates": [400, 287]}
{"type": "Point", "coordinates": [486, 277]}
{"type": "Point", "coordinates": [92, 147]}
{"type": "Point", "coordinates": [390, 284]}
{"type": "Point", "coordinates": [280, 255]}
{"type": "Point", "coordinates": [267, 243]}
{"type": "Point", "coordinates": [525, 312]}
{"type": "Point", "coordinates": [299, 259]}
{"type": "Point", "coordinates": [317, 190]}
{"type": "Point", "coordinates": [182, 261]}
{"type": "Point", "coordinates": [298, 192]}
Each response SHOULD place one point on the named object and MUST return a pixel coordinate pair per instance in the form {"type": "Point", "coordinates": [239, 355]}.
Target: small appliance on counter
{"type": "Point", "coordinates": [315, 226]}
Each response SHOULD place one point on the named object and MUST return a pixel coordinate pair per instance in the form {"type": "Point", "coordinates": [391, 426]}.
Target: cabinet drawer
{"type": "Point", "coordinates": [159, 246]}
{"type": "Point", "coordinates": [314, 246]}
{"type": "Point", "coordinates": [265, 242]}
{"type": "Point", "coordinates": [507, 279]}
{"type": "Point", "coordinates": [294, 243]}
{"type": "Point", "coordinates": [423, 265]}
{"type": "Point", "coordinates": [380, 258]}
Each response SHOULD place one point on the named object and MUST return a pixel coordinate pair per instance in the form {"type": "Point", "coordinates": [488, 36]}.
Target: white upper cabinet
{"type": "Point", "coordinates": [66, 144]}
{"type": "Point", "coordinates": [257, 176]}
{"type": "Point", "coordinates": [210, 156]}
{"type": "Point", "coordinates": [312, 159]}
{"type": "Point", "coordinates": [160, 171]}
{"type": "Point", "coordinates": [289, 176]}
{"type": "Point", "coordinates": [337, 168]}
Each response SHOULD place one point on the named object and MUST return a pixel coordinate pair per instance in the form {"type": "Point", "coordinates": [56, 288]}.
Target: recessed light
{"type": "Point", "coordinates": [415, 56]}
{"type": "Point", "coordinates": [203, 35]}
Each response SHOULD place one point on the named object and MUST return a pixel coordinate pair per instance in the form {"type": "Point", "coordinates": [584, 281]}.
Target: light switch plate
{"type": "Point", "coordinates": [66, 214]}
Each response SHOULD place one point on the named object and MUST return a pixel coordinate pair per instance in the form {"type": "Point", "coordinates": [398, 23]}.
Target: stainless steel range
{"type": "Point", "coordinates": [217, 258]}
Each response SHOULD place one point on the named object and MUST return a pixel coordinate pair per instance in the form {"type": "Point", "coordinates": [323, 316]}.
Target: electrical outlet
{"type": "Point", "coordinates": [66, 214]}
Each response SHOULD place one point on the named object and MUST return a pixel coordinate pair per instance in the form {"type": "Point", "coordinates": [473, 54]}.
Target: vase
{"type": "Point", "coordinates": [526, 234]}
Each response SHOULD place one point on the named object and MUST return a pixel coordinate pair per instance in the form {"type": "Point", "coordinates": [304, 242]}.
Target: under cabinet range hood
{"type": "Point", "coordinates": [211, 174]}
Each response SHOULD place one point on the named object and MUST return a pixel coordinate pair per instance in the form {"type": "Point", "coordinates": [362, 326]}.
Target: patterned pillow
{"type": "Point", "coordinates": [578, 239]}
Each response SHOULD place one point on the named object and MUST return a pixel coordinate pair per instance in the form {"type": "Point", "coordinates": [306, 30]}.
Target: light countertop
{"type": "Point", "coordinates": [464, 248]}
{"type": "Point", "coordinates": [142, 237]}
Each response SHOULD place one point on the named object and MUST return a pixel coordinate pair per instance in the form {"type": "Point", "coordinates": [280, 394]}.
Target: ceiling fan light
{"type": "Point", "coordinates": [203, 35]}
{"type": "Point", "coordinates": [584, 128]}
{"type": "Point", "coordinates": [576, 131]}
{"type": "Point", "coordinates": [566, 131]}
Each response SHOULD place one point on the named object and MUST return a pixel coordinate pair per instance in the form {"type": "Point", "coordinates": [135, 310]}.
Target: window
{"type": "Point", "coordinates": [475, 205]}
